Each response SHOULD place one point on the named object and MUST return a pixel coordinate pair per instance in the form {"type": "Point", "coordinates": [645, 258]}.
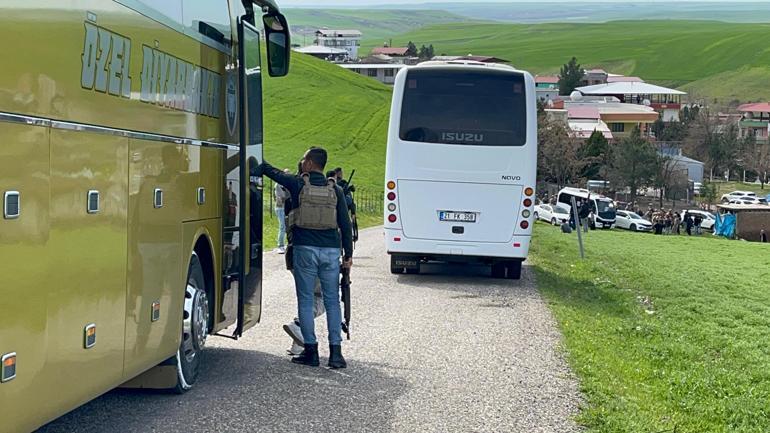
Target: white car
{"type": "Point", "coordinates": [631, 221]}
{"type": "Point", "coordinates": [708, 218]}
{"type": "Point", "coordinates": [554, 214]}
{"type": "Point", "coordinates": [696, 187]}
{"type": "Point", "coordinates": [737, 195]}
{"type": "Point", "coordinates": [748, 200]}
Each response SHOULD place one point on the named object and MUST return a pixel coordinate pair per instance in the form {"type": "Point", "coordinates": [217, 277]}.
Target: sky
{"type": "Point", "coordinates": [329, 3]}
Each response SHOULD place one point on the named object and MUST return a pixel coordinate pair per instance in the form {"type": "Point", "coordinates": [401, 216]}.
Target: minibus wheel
{"type": "Point", "coordinates": [514, 270]}
{"type": "Point", "coordinates": [195, 325]}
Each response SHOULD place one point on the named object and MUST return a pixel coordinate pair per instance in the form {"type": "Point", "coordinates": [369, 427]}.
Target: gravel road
{"type": "Point", "coordinates": [447, 351]}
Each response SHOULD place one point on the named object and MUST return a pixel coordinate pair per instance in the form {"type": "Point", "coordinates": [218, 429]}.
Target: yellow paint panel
{"type": "Point", "coordinates": [155, 272]}
{"type": "Point", "coordinates": [88, 263]}
{"type": "Point", "coordinates": [24, 242]}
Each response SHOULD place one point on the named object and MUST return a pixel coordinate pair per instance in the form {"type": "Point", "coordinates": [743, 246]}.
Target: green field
{"type": "Point", "coordinates": [711, 59]}
{"type": "Point", "coordinates": [593, 11]}
{"type": "Point", "coordinates": [666, 333]}
{"type": "Point", "coordinates": [376, 25]}
{"type": "Point", "coordinates": [321, 104]}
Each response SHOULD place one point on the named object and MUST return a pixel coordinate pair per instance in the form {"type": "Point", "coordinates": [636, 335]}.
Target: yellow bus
{"type": "Point", "coordinates": [131, 229]}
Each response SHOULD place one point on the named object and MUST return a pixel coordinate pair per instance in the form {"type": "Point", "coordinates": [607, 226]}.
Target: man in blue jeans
{"type": "Point", "coordinates": [320, 227]}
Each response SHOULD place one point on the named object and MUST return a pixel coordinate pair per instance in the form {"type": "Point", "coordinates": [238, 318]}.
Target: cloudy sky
{"type": "Point", "coordinates": [329, 3]}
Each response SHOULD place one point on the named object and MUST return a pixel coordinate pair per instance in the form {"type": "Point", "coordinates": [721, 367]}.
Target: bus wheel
{"type": "Point", "coordinates": [195, 325]}
{"type": "Point", "coordinates": [514, 270]}
{"type": "Point", "coordinates": [498, 270]}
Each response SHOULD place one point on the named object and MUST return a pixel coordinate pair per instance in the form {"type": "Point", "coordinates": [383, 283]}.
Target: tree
{"type": "Point", "coordinates": [634, 163]}
{"type": "Point", "coordinates": [570, 77]}
{"type": "Point", "coordinates": [426, 53]}
{"type": "Point", "coordinates": [596, 155]}
{"type": "Point", "coordinates": [756, 157]}
{"type": "Point", "coordinates": [558, 159]}
{"type": "Point", "coordinates": [708, 193]}
{"type": "Point", "coordinates": [670, 178]}
{"type": "Point", "coordinates": [712, 141]}
{"type": "Point", "coordinates": [411, 49]}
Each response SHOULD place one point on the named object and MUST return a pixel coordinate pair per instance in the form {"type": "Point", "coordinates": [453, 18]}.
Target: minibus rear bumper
{"type": "Point", "coordinates": [398, 244]}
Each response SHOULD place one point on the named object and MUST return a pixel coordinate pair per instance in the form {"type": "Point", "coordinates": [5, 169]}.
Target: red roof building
{"type": "Point", "coordinates": [390, 51]}
{"type": "Point", "coordinates": [756, 121]}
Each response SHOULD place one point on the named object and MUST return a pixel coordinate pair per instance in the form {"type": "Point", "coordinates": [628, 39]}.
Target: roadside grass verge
{"type": "Point", "coordinates": [666, 333]}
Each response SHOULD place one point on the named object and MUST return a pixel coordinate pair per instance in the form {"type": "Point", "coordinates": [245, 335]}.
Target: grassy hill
{"type": "Point", "coordinates": [377, 25]}
{"type": "Point", "coordinates": [532, 12]}
{"type": "Point", "coordinates": [321, 104]}
{"type": "Point", "coordinates": [710, 58]}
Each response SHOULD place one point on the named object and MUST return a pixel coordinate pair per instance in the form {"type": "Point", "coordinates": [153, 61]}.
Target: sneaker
{"type": "Point", "coordinates": [296, 349]}
{"type": "Point", "coordinates": [281, 250]}
{"type": "Point", "coordinates": [278, 250]}
{"type": "Point", "coordinates": [294, 332]}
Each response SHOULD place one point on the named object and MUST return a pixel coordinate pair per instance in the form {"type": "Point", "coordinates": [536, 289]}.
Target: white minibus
{"type": "Point", "coordinates": [461, 166]}
{"type": "Point", "coordinates": [602, 208]}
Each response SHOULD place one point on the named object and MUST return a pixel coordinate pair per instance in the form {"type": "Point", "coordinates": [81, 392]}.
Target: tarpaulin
{"type": "Point", "coordinates": [725, 225]}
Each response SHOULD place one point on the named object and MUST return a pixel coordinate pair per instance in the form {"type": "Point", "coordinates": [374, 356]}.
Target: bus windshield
{"type": "Point", "coordinates": [483, 108]}
{"type": "Point", "coordinates": [604, 206]}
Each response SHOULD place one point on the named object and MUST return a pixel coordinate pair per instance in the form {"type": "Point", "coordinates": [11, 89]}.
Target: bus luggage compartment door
{"type": "Point", "coordinates": [434, 209]}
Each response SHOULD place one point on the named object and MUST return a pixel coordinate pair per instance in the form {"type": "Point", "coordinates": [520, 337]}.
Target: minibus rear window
{"type": "Point", "coordinates": [483, 108]}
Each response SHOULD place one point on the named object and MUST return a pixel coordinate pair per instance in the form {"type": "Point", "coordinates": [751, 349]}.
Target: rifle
{"type": "Point", "coordinates": [345, 288]}
{"type": "Point", "coordinates": [351, 189]}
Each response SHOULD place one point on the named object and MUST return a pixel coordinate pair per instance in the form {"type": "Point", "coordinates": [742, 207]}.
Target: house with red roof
{"type": "Point", "coordinates": [755, 121]}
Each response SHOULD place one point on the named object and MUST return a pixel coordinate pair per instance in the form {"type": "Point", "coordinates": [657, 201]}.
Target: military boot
{"type": "Point", "coordinates": [308, 357]}
{"type": "Point", "coordinates": [335, 357]}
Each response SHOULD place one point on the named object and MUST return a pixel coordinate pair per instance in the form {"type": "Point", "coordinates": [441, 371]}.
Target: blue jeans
{"type": "Point", "coordinates": [280, 213]}
{"type": "Point", "coordinates": [322, 263]}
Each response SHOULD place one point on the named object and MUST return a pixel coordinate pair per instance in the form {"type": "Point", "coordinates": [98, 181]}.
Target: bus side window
{"type": "Point", "coordinates": [208, 18]}
{"type": "Point", "coordinates": [168, 12]}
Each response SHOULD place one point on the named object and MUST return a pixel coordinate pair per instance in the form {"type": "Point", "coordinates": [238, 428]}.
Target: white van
{"type": "Point", "coordinates": [603, 208]}
{"type": "Point", "coordinates": [461, 166]}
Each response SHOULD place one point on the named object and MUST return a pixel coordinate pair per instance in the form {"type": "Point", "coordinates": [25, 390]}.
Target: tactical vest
{"type": "Point", "coordinates": [317, 208]}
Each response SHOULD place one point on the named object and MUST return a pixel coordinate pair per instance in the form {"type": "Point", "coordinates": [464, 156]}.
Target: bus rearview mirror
{"type": "Point", "coordinates": [278, 44]}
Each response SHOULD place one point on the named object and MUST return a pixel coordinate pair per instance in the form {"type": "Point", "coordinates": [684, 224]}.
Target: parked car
{"type": "Point", "coordinates": [708, 218]}
{"type": "Point", "coordinates": [554, 214]}
{"type": "Point", "coordinates": [632, 221]}
{"type": "Point", "coordinates": [736, 195]}
{"type": "Point", "coordinates": [748, 200]}
{"type": "Point", "coordinates": [696, 187]}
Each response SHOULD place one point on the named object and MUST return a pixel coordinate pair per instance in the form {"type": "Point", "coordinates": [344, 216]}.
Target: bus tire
{"type": "Point", "coordinates": [498, 270]}
{"type": "Point", "coordinates": [395, 269]}
{"type": "Point", "coordinates": [195, 326]}
{"type": "Point", "coordinates": [513, 270]}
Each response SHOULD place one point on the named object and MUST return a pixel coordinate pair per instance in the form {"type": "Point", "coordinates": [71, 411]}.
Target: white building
{"type": "Point", "coordinates": [384, 73]}
{"type": "Point", "coordinates": [348, 40]}
{"type": "Point", "coordinates": [667, 102]}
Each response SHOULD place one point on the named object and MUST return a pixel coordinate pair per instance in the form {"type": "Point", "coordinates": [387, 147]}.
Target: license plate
{"type": "Point", "coordinates": [461, 217]}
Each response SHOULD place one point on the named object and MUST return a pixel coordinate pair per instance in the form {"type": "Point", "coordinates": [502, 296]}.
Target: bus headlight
{"type": "Point", "coordinates": [526, 213]}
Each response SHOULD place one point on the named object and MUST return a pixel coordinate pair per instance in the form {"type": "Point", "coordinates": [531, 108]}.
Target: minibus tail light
{"type": "Point", "coordinates": [524, 224]}
{"type": "Point", "coordinates": [527, 202]}
{"type": "Point", "coordinates": [529, 191]}
{"type": "Point", "coordinates": [392, 218]}
{"type": "Point", "coordinates": [391, 185]}
{"type": "Point", "coordinates": [391, 196]}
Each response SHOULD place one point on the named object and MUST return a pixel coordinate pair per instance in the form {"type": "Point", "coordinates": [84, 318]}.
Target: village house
{"type": "Point", "coordinates": [348, 40]}
{"type": "Point", "coordinates": [755, 121]}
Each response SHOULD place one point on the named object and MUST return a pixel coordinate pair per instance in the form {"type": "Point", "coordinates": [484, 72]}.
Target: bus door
{"type": "Point", "coordinates": [245, 238]}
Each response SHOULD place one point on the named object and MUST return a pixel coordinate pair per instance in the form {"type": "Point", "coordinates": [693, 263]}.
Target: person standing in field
{"type": "Point", "coordinates": [281, 194]}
